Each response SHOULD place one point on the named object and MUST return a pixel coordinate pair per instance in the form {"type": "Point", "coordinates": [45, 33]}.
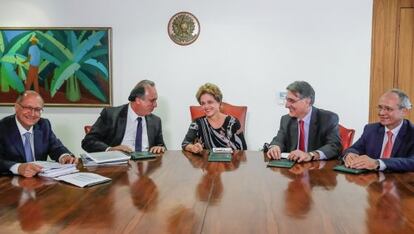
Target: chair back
{"type": "Point", "coordinates": [87, 128]}
{"type": "Point", "coordinates": [238, 112]}
{"type": "Point", "coordinates": [347, 136]}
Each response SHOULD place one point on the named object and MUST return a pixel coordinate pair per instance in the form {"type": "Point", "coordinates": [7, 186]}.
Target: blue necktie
{"type": "Point", "coordinates": [27, 147]}
{"type": "Point", "coordinates": [138, 137]}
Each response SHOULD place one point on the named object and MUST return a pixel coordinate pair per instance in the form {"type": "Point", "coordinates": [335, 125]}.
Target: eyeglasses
{"type": "Point", "coordinates": [387, 108]}
{"type": "Point", "coordinates": [31, 109]}
{"type": "Point", "coordinates": [292, 101]}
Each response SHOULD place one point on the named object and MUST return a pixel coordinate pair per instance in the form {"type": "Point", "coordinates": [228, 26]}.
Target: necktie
{"type": "Point", "coordinates": [138, 137]}
{"type": "Point", "coordinates": [388, 146]}
{"type": "Point", "coordinates": [301, 136]}
{"type": "Point", "coordinates": [28, 148]}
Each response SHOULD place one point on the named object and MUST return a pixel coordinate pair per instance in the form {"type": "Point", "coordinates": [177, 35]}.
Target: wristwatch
{"type": "Point", "coordinates": [378, 165]}
{"type": "Point", "coordinates": [313, 155]}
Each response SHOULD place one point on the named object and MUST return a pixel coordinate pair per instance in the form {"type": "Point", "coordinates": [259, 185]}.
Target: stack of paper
{"type": "Point", "coordinates": [54, 169]}
{"type": "Point", "coordinates": [89, 162]}
{"type": "Point", "coordinates": [104, 158]}
{"type": "Point", "coordinates": [83, 179]}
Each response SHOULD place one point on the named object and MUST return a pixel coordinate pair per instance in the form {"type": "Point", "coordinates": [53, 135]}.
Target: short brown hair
{"type": "Point", "coordinates": [211, 89]}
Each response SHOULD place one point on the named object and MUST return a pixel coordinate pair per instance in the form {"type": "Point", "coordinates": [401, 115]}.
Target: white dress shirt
{"type": "Point", "coordinates": [306, 123]}
{"type": "Point", "coordinates": [131, 130]}
{"type": "Point", "coordinates": [395, 132]}
{"type": "Point", "coordinates": [15, 168]}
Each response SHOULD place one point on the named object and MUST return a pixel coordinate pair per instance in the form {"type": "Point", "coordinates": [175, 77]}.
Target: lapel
{"type": "Point", "coordinates": [313, 128]}
{"type": "Point", "coordinates": [150, 130]}
{"type": "Point", "coordinates": [121, 125]}
{"type": "Point", "coordinates": [293, 132]}
{"type": "Point", "coordinates": [37, 142]}
{"type": "Point", "coordinates": [378, 140]}
{"type": "Point", "coordinates": [16, 139]}
{"type": "Point", "coordinates": [399, 139]}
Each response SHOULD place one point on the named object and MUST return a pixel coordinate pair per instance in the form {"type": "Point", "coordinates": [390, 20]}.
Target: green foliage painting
{"type": "Point", "coordinates": [67, 66]}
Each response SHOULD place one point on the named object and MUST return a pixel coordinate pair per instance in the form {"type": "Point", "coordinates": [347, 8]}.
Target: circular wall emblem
{"type": "Point", "coordinates": [183, 28]}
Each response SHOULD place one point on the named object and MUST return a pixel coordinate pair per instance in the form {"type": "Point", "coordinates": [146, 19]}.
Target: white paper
{"type": "Point", "coordinates": [284, 155]}
{"type": "Point", "coordinates": [88, 162]}
{"type": "Point", "coordinates": [54, 169]}
{"type": "Point", "coordinates": [108, 156]}
{"type": "Point", "coordinates": [83, 179]}
{"type": "Point", "coordinates": [222, 150]}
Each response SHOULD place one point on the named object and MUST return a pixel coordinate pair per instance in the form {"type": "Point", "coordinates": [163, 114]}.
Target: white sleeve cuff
{"type": "Point", "coordinates": [322, 155]}
{"type": "Point", "coordinates": [382, 165]}
{"type": "Point", "coordinates": [15, 168]}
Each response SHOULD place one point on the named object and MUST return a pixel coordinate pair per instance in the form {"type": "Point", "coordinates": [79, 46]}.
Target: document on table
{"type": "Point", "coordinates": [83, 179]}
{"type": "Point", "coordinates": [54, 169]}
{"type": "Point", "coordinates": [108, 156]}
{"type": "Point", "coordinates": [88, 162]}
{"type": "Point", "coordinates": [284, 155]}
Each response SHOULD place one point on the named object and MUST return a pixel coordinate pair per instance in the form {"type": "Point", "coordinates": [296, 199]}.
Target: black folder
{"type": "Point", "coordinates": [142, 155]}
{"type": "Point", "coordinates": [345, 169]}
{"type": "Point", "coordinates": [286, 163]}
{"type": "Point", "coordinates": [219, 157]}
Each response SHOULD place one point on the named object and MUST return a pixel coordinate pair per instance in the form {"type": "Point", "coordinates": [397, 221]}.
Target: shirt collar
{"type": "Point", "coordinates": [22, 130]}
{"type": "Point", "coordinates": [306, 119]}
{"type": "Point", "coordinates": [396, 130]}
{"type": "Point", "coordinates": [132, 115]}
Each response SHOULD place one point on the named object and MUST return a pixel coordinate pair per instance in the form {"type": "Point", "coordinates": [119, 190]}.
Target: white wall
{"type": "Point", "coordinates": [251, 49]}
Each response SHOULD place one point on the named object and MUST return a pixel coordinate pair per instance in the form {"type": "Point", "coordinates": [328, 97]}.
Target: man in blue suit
{"type": "Point", "coordinates": [389, 144]}
{"type": "Point", "coordinates": [25, 137]}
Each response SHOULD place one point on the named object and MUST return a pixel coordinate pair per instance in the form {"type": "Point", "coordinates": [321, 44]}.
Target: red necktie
{"type": "Point", "coordinates": [388, 146]}
{"type": "Point", "coordinates": [301, 136]}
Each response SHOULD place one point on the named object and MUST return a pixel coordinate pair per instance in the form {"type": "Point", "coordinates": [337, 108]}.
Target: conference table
{"type": "Point", "coordinates": [180, 192]}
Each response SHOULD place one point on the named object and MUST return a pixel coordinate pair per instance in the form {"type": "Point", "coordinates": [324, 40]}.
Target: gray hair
{"type": "Point", "coordinates": [139, 90]}
{"type": "Point", "coordinates": [304, 89]}
{"type": "Point", "coordinates": [404, 99]}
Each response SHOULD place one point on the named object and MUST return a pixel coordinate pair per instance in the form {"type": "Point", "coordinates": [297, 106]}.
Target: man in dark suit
{"type": "Point", "coordinates": [25, 137]}
{"type": "Point", "coordinates": [130, 127]}
{"type": "Point", "coordinates": [306, 133]}
{"type": "Point", "coordinates": [389, 143]}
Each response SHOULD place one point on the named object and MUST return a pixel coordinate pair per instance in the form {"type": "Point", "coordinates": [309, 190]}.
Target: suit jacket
{"type": "Point", "coordinates": [323, 133]}
{"type": "Point", "coordinates": [402, 154]}
{"type": "Point", "coordinates": [109, 130]}
{"type": "Point", "coordinates": [11, 144]}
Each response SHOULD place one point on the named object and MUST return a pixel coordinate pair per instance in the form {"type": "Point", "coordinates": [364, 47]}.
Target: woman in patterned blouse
{"type": "Point", "coordinates": [215, 129]}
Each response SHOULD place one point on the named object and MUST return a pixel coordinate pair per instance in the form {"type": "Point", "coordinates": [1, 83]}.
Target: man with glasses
{"type": "Point", "coordinates": [130, 127]}
{"type": "Point", "coordinates": [26, 137]}
{"type": "Point", "coordinates": [306, 132]}
{"type": "Point", "coordinates": [389, 143]}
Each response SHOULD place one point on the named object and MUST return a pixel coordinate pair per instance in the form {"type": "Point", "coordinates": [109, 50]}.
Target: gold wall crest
{"type": "Point", "coordinates": [183, 28]}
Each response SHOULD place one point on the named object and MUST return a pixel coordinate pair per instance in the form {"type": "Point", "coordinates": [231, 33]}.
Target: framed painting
{"type": "Point", "coordinates": [67, 66]}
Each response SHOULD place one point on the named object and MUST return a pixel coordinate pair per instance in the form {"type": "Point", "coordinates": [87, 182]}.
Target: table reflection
{"type": "Point", "coordinates": [144, 191]}
{"type": "Point", "coordinates": [210, 188]}
{"type": "Point", "coordinates": [303, 177]}
{"type": "Point", "coordinates": [30, 211]}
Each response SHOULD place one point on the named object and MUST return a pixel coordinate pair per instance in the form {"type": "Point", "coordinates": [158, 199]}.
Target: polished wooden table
{"type": "Point", "coordinates": [184, 193]}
